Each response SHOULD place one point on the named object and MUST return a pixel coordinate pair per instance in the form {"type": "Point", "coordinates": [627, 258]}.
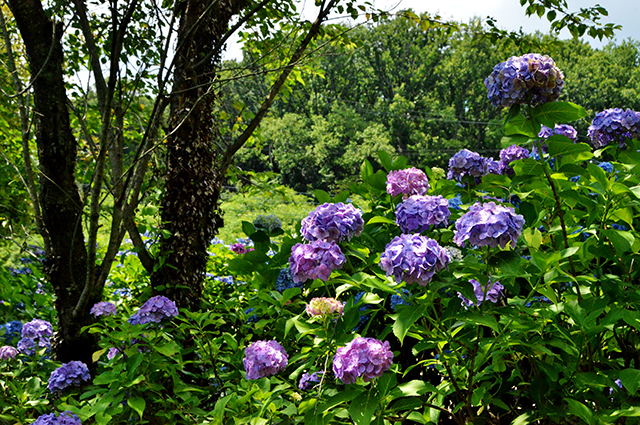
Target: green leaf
{"type": "Point", "coordinates": [341, 397]}
{"type": "Point", "coordinates": [385, 160]}
{"type": "Point", "coordinates": [519, 125]}
{"type": "Point", "coordinates": [380, 219]}
{"type": "Point", "coordinates": [322, 196]}
{"type": "Point", "coordinates": [562, 145]}
{"type": "Point", "coordinates": [138, 404]}
{"type": "Point", "coordinates": [532, 237]}
{"type": "Point", "coordinates": [405, 319]}
{"type": "Point", "coordinates": [524, 419]}
{"type": "Point", "coordinates": [630, 380]}
{"type": "Point", "coordinates": [363, 407]}
{"type": "Point", "coordinates": [622, 241]}
{"type": "Point", "coordinates": [528, 166]}
{"type": "Point", "coordinates": [552, 113]}
{"type": "Point", "coordinates": [247, 228]}
{"type": "Point", "coordinates": [366, 170]}
{"type": "Point", "coordinates": [169, 349]}
{"type": "Point", "coordinates": [580, 410]}
{"type": "Point", "coordinates": [516, 139]}
{"type": "Point", "coordinates": [412, 389]}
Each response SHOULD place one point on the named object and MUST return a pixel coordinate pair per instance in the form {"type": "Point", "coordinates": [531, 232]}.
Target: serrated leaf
{"type": "Point", "coordinates": [363, 407]}
{"type": "Point", "coordinates": [552, 113]}
{"type": "Point", "coordinates": [519, 125]}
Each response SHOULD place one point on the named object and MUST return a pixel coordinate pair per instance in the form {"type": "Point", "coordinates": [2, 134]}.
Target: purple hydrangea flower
{"type": "Point", "coordinates": [531, 78]}
{"type": "Point", "coordinates": [37, 329]}
{"type": "Point", "coordinates": [332, 222]}
{"type": "Point", "coordinates": [112, 353]}
{"type": "Point", "coordinates": [413, 258]}
{"type": "Point", "coordinates": [155, 310]}
{"type": "Point", "coordinates": [467, 163]}
{"type": "Point", "coordinates": [492, 292]}
{"type": "Point", "coordinates": [614, 125]}
{"type": "Point", "coordinates": [74, 373]}
{"type": "Point", "coordinates": [510, 154]}
{"type": "Point", "coordinates": [239, 248]}
{"type": "Point", "coordinates": [65, 418]}
{"type": "Point", "coordinates": [366, 357]}
{"type": "Point", "coordinates": [489, 224]}
{"type": "Point", "coordinates": [103, 308]}
{"type": "Point", "coordinates": [315, 260]}
{"type": "Point", "coordinates": [8, 352]}
{"type": "Point", "coordinates": [324, 306]}
{"type": "Point", "coordinates": [409, 181]}
{"type": "Point", "coordinates": [419, 212]}
{"type": "Point", "coordinates": [264, 358]}
{"type": "Point", "coordinates": [307, 381]}
{"type": "Point", "coordinates": [28, 346]}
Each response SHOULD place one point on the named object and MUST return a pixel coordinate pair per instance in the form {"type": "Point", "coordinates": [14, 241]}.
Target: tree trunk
{"type": "Point", "coordinates": [190, 207]}
{"type": "Point", "coordinates": [65, 265]}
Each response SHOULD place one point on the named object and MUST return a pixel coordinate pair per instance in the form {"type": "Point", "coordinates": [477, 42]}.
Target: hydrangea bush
{"type": "Point", "coordinates": [517, 318]}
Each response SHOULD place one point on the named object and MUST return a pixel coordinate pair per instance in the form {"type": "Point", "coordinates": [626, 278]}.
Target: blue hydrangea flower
{"type": "Point", "coordinates": [74, 373]}
{"type": "Point", "coordinates": [408, 182]}
{"type": "Point", "coordinates": [285, 281]}
{"type": "Point", "coordinates": [363, 357]}
{"type": "Point", "coordinates": [606, 166]}
{"type": "Point", "coordinates": [65, 418]}
{"type": "Point", "coordinates": [619, 227]}
{"type": "Point", "coordinates": [155, 310]}
{"type": "Point", "coordinates": [264, 358]}
{"type": "Point", "coordinates": [397, 299]}
{"type": "Point", "coordinates": [528, 79]}
{"type": "Point", "coordinates": [253, 318]}
{"type": "Point", "coordinates": [29, 346]}
{"type": "Point", "coordinates": [614, 126]}
{"type": "Point", "coordinates": [11, 330]}
{"type": "Point", "coordinates": [491, 292]}
{"type": "Point", "coordinates": [466, 163]}
{"type": "Point", "coordinates": [417, 213]}
{"type": "Point", "coordinates": [315, 260]}
{"type": "Point", "coordinates": [413, 258]}
{"type": "Point", "coordinates": [510, 154]}
{"type": "Point", "coordinates": [332, 222]}
{"type": "Point", "coordinates": [489, 224]}
{"type": "Point", "coordinates": [455, 202]}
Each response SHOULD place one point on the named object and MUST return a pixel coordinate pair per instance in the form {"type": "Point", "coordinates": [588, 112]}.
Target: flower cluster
{"type": "Point", "coordinates": [307, 381]}
{"type": "Point", "coordinates": [264, 358]}
{"type": "Point", "coordinates": [11, 330]}
{"type": "Point", "coordinates": [419, 212]}
{"type": "Point", "coordinates": [614, 125]}
{"type": "Point", "coordinates": [36, 333]}
{"type": "Point", "coordinates": [332, 222]}
{"type": "Point", "coordinates": [315, 260]}
{"type": "Point", "coordinates": [467, 163]}
{"type": "Point", "coordinates": [239, 248]}
{"type": "Point", "coordinates": [397, 299]}
{"type": "Point", "coordinates": [366, 357]}
{"type": "Point", "coordinates": [267, 223]}
{"type": "Point", "coordinates": [489, 224]}
{"type": "Point", "coordinates": [65, 418]}
{"type": "Point", "coordinates": [285, 281]}
{"type": "Point", "coordinates": [8, 353]}
{"type": "Point", "coordinates": [74, 373]}
{"type": "Point", "coordinates": [510, 154]}
{"type": "Point", "coordinates": [155, 310]}
{"type": "Point", "coordinates": [413, 258]}
{"type": "Point", "coordinates": [560, 129]}
{"type": "Point", "coordinates": [409, 181]}
{"type": "Point", "coordinates": [103, 308]}
{"type": "Point", "coordinates": [324, 306]}
{"type": "Point", "coordinates": [531, 78]}
{"type": "Point", "coordinates": [491, 292]}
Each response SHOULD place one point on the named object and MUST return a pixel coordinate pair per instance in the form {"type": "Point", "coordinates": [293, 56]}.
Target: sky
{"type": "Point", "coordinates": [508, 14]}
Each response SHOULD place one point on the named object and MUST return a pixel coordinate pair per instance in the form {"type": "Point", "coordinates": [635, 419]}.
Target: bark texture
{"type": "Point", "coordinates": [190, 206]}
{"type": "Point", "coordinates": [65, 265]}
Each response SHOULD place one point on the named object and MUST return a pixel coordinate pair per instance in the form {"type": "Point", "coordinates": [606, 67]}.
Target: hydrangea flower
{"type": "Point", "coordinates": [264, 358]}
{"type": "Point", "coordinates": [491, 292]}
{"type": "Point", "coordinates": [614, 125]}
{"type": "Point", "coordinates": [454, 253]}
{"type": "Point", "coordinates": [307, 381]}
{"type": "Point", "coordinates": [12, 330]}
{"type": "Point", "coordinates": [489, 224]}
{"type": "Point", "coordinates": [606, 166]}
{"type": "Point", "coordinates": [410, 181]}
{"type": "Point", "coordinates": [530, 78]}
{"type": "Point", "coordinates": [112, 353]}
{"type": "Point", "coordinates": [74, 373]}
{"type": "Point", "coordinates": [455, 202]}
{"type": "Point", "coordinates": [418, 212]}
{"type": "Point", "coordinates": [397, 299]}
{"type": "Point", "coordinates": [28, 346]}
{"type": "Point", "coordinates": [324, 306]}
{"type": "Point", "coordinates": [285, 281]}
{"type": "Point", "coordinates": [8, 353]}
{"type": "Point", "coordinates": [332, 222]}
{"type": "Point", "coordinates": [364, 318]}
{"type": "Point", "coordinates": [510, 154]}
{"type": "Point", "coordinates": [468, 163]}
{"type": "Point", "coordinates": [267, 223]}
{"type": "Point", "coordinates": [413, 258]}
{"type": "Point", "coordinates": [65, 418]}
{"type": "Point", "coordinates": [103, 308]}
{"type": "Point", "coordinates": [239, 248]}
{"type": "Point", "coordinates": [366, 357]}
{"type": "Point", "coordinates": [37, 329]}
{"type": "Point", "coordinates": [155, 310]}
{"type": "Point", "coordinates": [315, 260]}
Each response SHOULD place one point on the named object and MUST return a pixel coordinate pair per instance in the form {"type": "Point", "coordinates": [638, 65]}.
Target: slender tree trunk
{"type": "Point", "coordinates": [190, 206]}
{"type": "Point", "coordinates": [65, 265]}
